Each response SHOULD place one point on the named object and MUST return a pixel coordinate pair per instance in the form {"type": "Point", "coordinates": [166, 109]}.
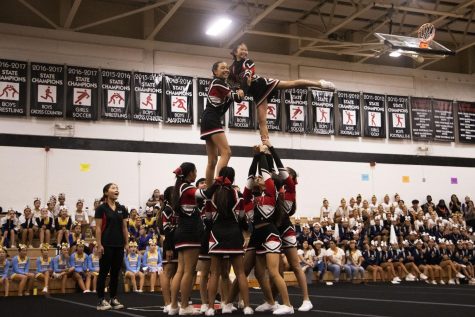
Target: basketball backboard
{"type": "Point", "coordinates": [411, 45]}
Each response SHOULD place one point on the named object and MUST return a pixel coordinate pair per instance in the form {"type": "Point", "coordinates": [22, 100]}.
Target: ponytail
{"type": "Point", "coordinates": [224, 195]}
{"type": "Point", "coordinates": [181, 173]}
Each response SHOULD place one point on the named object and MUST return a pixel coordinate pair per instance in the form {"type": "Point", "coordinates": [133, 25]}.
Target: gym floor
{"type": "Point", "coordinates": [408, 299]}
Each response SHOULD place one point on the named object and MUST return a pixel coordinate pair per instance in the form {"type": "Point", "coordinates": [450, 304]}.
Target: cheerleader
{"type": "Point", "coordinates": [398, 262]}
{"type": "Point", "coordinates": [143, 239]}
{"type": "Point", "coordinates": [45, 224]}
{"type": "Point", "coordinates": [220, 97]}
{"type": "Point", "coordinates": [27, 224]}
{"type": "Point", "coordinates": [75, 236]}
{"type": "Point", "coordinates": [226, 239]}
{"type": "Point", "coordinates": [4, 270]}
{"type": "Point", "coordinates": [93, 267]}
{"type": "Point", "coordinates": [170, 256]}
{"type": "Point", "coordinates": [152, 263]}
{"type": "Point", "coordinates": [243, 76]}
{"type": "Point", "coordinates": [265, 238]}
{"type": "Point", "coordinates": [371, 260]}
{"type": "Point", "coordinates": [187, 235]}
{"type": "Point", "coordinates": [81, 217]}
{"type": "Point", "coordinates": [9, 226]}
{"type": "Point", "coordinates": [133, 263]}
{"type": "Point", "coordinates": [21, 271]}
{"type": "Point", "coordinates": [149, 221]}
{"type": "Point", "coordinates": [79, 262]}
{"type": "Point", "coordinates": [44, 267]}
{"type": "Point", "coordinates": [459, 257]}
{"type": "Point", "coordinates": [63, 224]}
{"type": "Point", "coordinates": [285, 208]}
{"type": "Point", "coordinates": [62, 266]}
{"type": "Point", "coordinates": [409, 262]}
{"type": "Point", "coordinates": [386, 263]}
{"type": "Point", "coordinates": [432, 260]}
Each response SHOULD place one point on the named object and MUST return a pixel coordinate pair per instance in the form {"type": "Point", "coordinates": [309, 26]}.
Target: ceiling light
{"type": "Point", "coordinates": [395, 53]}
{"type": "Point", "coordinates": [218, 26]}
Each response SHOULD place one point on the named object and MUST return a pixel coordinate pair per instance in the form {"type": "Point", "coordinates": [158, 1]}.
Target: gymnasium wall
{"type": "Point", "coordinates": [27, 170]}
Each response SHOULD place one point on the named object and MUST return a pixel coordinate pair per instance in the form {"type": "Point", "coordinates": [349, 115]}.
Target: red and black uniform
{"type": "Point", "coordinates": [220, 97]}
{"type": "Point", "coordinates": [265, 237]}
{"type": "Point", "coordinates": [203, 206]}
{"type": "Point", "coordinates": [226, 235]}
{"type": "Point", "coordinates": [169, 221]}
{"type": "Point", "coordinates": [190, 229]}
{"type": "Point", "coordinates": [288, 196]}
{"type": "Point", "coordinates": [260, 89]}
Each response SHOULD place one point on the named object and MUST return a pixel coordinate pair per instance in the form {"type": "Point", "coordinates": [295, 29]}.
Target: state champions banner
{"type": "Point", "coordinates": [47, 90]}
{"type": "Point", "coordinates": [374, 113]}
{"type": "Point", "coordinates": [115, 94]}
{"type": "Point", "coordinates": [349, 122]}
{"type": "Point", "coordinates": [13, 77]}
{"type": "Point", "coordinates": [178, 99]}
{"type": "Point", "coordinates": [242, 114]}
{"type": "Point", "coordinates": [466, 121]}
{"type": "Point", "coordinates": [422, 119]}
{"type": "Point", "coordinates": [322, 111]}
{"type": "Point", "coordinates": [147, 105]}
{"type": "Point", "coordinates": [444, 120]}
{"type": "Point", "coordinates": [274, 112]}
{"type": "Point", "coordinates": [296, 104]}
{"type": "Point", "coordinates": [82, 88]}
{"type": "Point", "coordinates": [398, 117]}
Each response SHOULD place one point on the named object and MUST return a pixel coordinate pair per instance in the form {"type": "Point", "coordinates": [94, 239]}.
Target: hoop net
{"type": "Point", "coordinates": [426, 34]}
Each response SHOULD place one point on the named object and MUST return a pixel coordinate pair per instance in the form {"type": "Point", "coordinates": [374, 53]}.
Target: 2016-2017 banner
{"type": "Point", "coordinates": [13, 79]}
{"type": "Point", "coordinates": [47, 90]}
{"type": "Point", "coordinates": [82, 87]}
{"type": "Point", "coordinates": [466, 121]}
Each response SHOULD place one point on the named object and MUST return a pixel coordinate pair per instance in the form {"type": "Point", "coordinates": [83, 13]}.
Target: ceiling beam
{"type": "Point", "coordinates": [72, 13]}
{"type": "Point", "coordinates": [418, 10]}
{"type": "Point", "coordinates": [165, 19]}
{"type": "Point", "coordinates": [38, 13]}
{"type": "Point", "coordinates": [123, 15]}
{"type": "Point", "coordinates": [337, 27]}
{"type": "Point", "coordinates": [253, 23]}
{"type": "Point", "coordinates": [460, 49]}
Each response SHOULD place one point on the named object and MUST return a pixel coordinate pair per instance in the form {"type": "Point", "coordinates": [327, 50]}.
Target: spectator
{"type": "Point", "coordinates": [75, 236]}
{"type": "Point", "coordinates": [27, 225]}
{"type": "Point", "coordinates": [455, 205]}
{"type": "Point", "coordinates": [465, 204]}
{"type": "Point", "coordinates": [428, 204]}
{"type": "Point", "coordinates": [355, 260]}
{"type": "Point", "coordinates": [63, 224]}
{"type": "Point", "coordinates": [36, 208]}
{"type": "Point", "coordinates": [306, 257]}
{"type": "Point", "coordinates": [320, 259]}
{"type": "Point", "coordinates": [61, 203]}
{"type": "Point", "coordinates": [155, 199]}
{"type": "Point", "coordinates": [81, 217]}
{"type": "Point", "coordinates": [336, 262]}
{"type": "Point", "coordinates": [9, 225]}
{"type": "Point", "coordinates": [470, 215]}
{"type": "Point", "coordinates": [4, 270]}
{"type": "Point", "coordinates": [373, 206]}
{"type": "Point", "coordinates": [325, 210]}
{"type": "Point", "coordinates": [342, 211]}
{"type": "Point", "coordinates": [386, 203]}
{"type": "Point", "coordinates": [442, 210]}
{"type": "Point", "coordinates": [45, 225]}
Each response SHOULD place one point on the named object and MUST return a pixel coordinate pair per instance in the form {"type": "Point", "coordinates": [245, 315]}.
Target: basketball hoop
{"type": "Point", "coordinates": [426, 34]}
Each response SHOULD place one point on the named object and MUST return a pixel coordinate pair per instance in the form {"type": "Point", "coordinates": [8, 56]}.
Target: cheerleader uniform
{"type": "Point", "coordinates": [286, 228]}
{"type": "Point", "coordinates": [371, 257]}
{"type": "Point", "coordinates": [19, 266]}
{"type": "Point", "coordinates": [169, 224]}
{"type": "Point", "coordinates": [150, 222]}
{"type": "Point", "coordinates": [27, 223]}
{"type": "Point", "coordinates": [226, 237]}
{"type": "Point", "coordinates": [265, 237]}
{"type": "Point", "coordinates": [46, 222]}
{"type": "Point", "coordinates": [5, 270]}
{"type": "Point", "coordinates": [205, 208]}
{"type": "Point", "coordinates": [132, 262]}
{"type": "Point", "coordinates": [60, 264]}
{"type": "Point", "coordinates": [189, 230]}
{"type": "Point", "coordinates": [153, 261]}
{"type": "Point", "coordinates": [78, 262]}
{"type": "Point", "coordinates": [43, 266]}
{"type": "Point", "coordinates": [217, 104]}
{"type": "Point", "coordinates": [260, 89]}
{"type": "Point", "coordinates": [93, 264]}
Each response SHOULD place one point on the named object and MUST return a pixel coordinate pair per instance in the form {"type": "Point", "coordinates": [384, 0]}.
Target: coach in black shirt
{"type": "Point", "coordinates": [112, 238]}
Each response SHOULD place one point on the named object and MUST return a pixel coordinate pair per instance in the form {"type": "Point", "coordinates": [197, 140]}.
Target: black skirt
{"type": "Point", "coordinates": [287, 233]}
{"type": "Point", "coordinates": [262, 88]}
{"type": "Point", "coordinates": [169, 245]}
{"type": "Point", "coordinates": [266, 239]}
{"type": "Point", "coordinates": [204, 251]}
{"type": "Point", "coordinates": [210, 123]}
{"type": "Point", "coordinates": [189, 232]}
{"type": "Point", "coordinates": [226, 238]}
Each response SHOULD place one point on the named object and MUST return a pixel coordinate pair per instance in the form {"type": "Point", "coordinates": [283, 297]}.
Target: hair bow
{"type": "Point", "coordinates": [178, 172]}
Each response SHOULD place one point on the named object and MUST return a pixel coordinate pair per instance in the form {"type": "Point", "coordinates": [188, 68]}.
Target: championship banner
{"type": "Point", "coordinates": [115, 94]}
{"type": "Point", "coordinates": [203, 87]}
{"type": "Point", "coordinates": [178, 99]}
{"type": "Point", "coordinates": [398, 117]}
{"type": "Point", "coordinates": [466, 121]}
{"type": "Point", "coordinates": [274, 109]}
{"type": "Point", "coordinates": [13, 77]}
{"type": "Point", "coordinates": [444, 121]}
{"type": "Point", "coordinates": [323, 111]}
{"type": "Point", "coordinates": [349, 111]}
{"type": "Point", "coordinates": [47, 90]}
{"type": "Point", "coordinates": [296, 102]}
{"type": "Point", "coordinates": [241, 114]}
{"type": "Point", "coordinates": [374, 115]}
{"type": "Point", "coordinates": [82, 87]}
{"type": "Point", "coordinates": [147, 104]}
{"type": "Point", "coordinates": [422, 120]}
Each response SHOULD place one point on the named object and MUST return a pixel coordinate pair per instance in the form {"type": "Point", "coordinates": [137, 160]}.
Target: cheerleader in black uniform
{"type": "Point", "coordinates": [285, 209]}
{"type": "Point", "coordinates": [220, 97]}
{"type": "Point", "coordinates": [45, 224]}
{"type": "Point", "coordinates": [226, 239]}
{"type": "Point", "coordinates": [187, 236]}
{"type": "Point", "coordinates": [243, 75]}
{"type": "Point", "coordinates": [265, 238]}
{"type": "Point", "coordinates": [170, 255]}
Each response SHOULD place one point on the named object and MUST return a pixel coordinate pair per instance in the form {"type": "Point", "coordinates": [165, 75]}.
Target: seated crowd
{"type": "Point", "coordinates": [388, 240]}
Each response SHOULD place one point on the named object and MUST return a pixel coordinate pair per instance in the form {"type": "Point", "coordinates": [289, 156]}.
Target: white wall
{"type": "Point", "coordinates": [24, 175]}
